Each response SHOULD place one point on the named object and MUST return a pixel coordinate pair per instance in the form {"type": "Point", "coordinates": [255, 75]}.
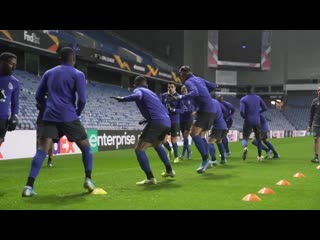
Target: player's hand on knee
{"type": "Point", "coordinates": [12, 123]}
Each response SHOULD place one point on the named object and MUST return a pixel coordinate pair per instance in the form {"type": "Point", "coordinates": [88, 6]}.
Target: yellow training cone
{"type": "Point", "coordinates": [251, 197]}
{"type": "Point", "coordinates": [266, 190]}
{"type": "Point", "coordinates": [299, 175]}
{"type": "Point", "coordinates": [283, 183]}
{"type": "Point", "coordinates": [99, 191]}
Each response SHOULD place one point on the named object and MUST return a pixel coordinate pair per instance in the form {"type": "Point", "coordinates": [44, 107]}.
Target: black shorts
{"type": "Point", "coordinates": [175, 130]}
{"type": "Point", "coordinates": [74, 130]}
{"type": "Point", "coordinates": [247, 129]}
{"type": "Point", "coordinates": [204, 120]}
{"type": "Point", "coordinates": [3, 128]}
{"type": "Point", "coordinates": [154, 132]}
{"type": "Point", "coordinates": [315, 131]}
{"type": "Point", "coordinates": [185, 126]}
{"type": "Point", "coordinates": [218, 134]}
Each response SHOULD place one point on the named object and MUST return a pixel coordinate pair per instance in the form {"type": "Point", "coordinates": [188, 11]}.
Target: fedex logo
{"type": "Point", "coordinates": [65, 147]}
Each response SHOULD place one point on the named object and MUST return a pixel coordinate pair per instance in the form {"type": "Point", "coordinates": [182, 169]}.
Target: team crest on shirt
{"type": "Point", "coordinates": [10, 86]}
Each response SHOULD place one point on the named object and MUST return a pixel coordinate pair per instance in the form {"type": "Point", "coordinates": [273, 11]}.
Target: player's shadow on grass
{"type": "Point", "coordinates": [58, 200]}
{"type": "Point", "coordinates": [216, 176]}
{"type": "Point", "coordinates": [264, 161]}
{"type": "Point", "coordinates": [164, 184]}
{"type": "Point", "coordinates": [2, 194]}
{"type": "Point", "coordinates": [226, 166]}
{"type": "Point", "coordinates": [249, 161]}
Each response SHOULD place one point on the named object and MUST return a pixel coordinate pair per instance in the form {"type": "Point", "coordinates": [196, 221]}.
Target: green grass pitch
{"type": "Point", "coordinates": [219, 188]}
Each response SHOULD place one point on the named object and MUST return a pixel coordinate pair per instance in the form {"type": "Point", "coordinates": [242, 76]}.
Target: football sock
{"type": "Point", "coordinates": [262, 145]}
{"type": "Point", "coordinates": [144, 163]}
{"type": "Point", "coordinates": [225, 142]}
{"type": "Point", "coordinates": [167, 146]}
{"type": "Point", "coordinates": [205, 144]}
{"type": "Point", "coordinates": [212, 151]}
{"type": "Point", "coordinates": [259, 146]}
{"type": "Point", "coordinates": [87, 159]}
{"type": "Point", "coordinates": [30, 181]}
{"type": "Point", "coordinates": [198, 141]}
{"type": "Point", "coordinates": [37, 162]}
{"type": "Point", "coordinates": [221, 150]}
{"type": "Point", "coordinates": [175, 149]}
{"type": "Point", "coordinates": [271, 147]}
{"type": "Point", "coordinates": [162, 154]}
{"type": "Point", "coordinates": [185, 146]}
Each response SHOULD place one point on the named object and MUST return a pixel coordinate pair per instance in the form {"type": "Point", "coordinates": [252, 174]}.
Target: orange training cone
{"type": "Point", "coordinates": [251, 197]}
{"type": "Point", "coordinates": [283, 183]}
{"type": "Point", "coordinates": [299, 175]}
{"type": "Point", "coordinates": [266, 190]}
{"type": "Point", "coordinates": [318, 167]}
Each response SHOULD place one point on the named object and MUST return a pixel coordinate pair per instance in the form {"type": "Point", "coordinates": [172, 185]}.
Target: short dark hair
{"type": "Point", "coordinates": [66, 53]}
{"type": "Point", "coordinates": [5, 56]}
{"type": "Point", "coordinates": [185, 69]}
{"type": "Point", "coordinates": [219, 97]}
{"type": "Point", "coordinates": [172, 83]}
{"type": "Point", "coordinates": [140, 80]}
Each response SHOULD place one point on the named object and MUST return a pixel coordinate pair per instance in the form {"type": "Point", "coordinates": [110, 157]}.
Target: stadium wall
{"type": "Point", "coordinates": [278, 74]}
{"type": "Point", "coordinates": [303, 54]}
{"type": "Point", "coordinates": [294, 53]}
{"type": "Point", "coordinates": [195, 51]}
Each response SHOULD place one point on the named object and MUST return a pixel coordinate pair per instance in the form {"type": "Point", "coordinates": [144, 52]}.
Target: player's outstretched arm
{"type": "Point", "coordinates": [119, 99]}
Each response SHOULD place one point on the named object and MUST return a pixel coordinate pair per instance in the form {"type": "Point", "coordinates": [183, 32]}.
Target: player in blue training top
{"type": "Point", "coordinates": [40, 129]}
{"type": "Point", "coordinates": [269, 148]}
{"type": "Point", "coordinates": [227, 115]}
{"type": "Point", "coordinates": [175, 108]}
{"type": "Point", "coordinates": [9, 94]}
{"type": "Point", "coordinates": [66, 88]}
{"type": "Point", "coordinates": [156, 131]}
{"type": "Point", "coordinates": [186, 119]}
{"type": "Point", "coordinates": [199, 90]}
{"type": "Point", "coordinates": [251, 106]}
{"type": "Point", "coordinates": [217, 133]}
